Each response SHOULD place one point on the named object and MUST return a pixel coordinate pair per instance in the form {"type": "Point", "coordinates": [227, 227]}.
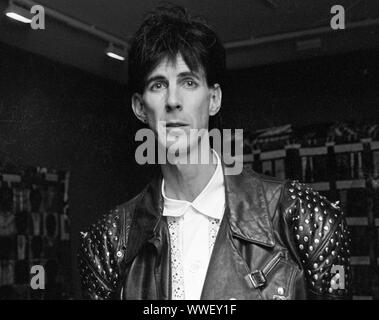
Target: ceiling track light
{"type": "Point", "coordinates": [20, 10]}
{"type": "Point", "coordinates": [16, 12]}
{"type": "Point", "coordinates": [116, 52]}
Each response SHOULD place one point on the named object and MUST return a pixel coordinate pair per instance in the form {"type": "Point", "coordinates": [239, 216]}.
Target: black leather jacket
{"type": "Point", "coordinates": [277, 240]}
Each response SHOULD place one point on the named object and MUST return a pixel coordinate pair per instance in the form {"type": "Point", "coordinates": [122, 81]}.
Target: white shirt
{"type": "Point", "coordinates": [193, 229]}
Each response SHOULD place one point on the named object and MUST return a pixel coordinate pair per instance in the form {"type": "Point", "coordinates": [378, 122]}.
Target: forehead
{"type": "Point", "coordinates": [174, 66]}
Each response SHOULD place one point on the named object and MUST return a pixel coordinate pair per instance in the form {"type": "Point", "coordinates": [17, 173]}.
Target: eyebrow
{"type": "Point", "coordinates": [180, 75]}
{"type": "Point", "coordinates": [189, 74]}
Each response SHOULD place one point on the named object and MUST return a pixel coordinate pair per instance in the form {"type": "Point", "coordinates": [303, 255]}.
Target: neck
{"type": "Point", "coordinates": [186, 181]}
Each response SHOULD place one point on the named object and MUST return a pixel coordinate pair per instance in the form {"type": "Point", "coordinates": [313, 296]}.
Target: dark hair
{"type": "Point", "coordinates": [169, 31]}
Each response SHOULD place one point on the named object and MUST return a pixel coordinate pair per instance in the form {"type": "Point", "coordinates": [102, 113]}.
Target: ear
{"type": "Point", "coordinates": [138, 107]}
{"type": "Point", "coordinates": [215, 100]}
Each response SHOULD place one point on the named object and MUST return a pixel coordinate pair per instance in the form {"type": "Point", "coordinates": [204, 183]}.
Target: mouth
{"type": "Point", "coordinates": [176, 124]}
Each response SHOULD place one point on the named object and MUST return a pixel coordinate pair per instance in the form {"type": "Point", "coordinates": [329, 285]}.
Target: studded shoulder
{"type": "Point", "coordinates": [322, 240]}
{"type": "Point", "coordinates": [98, 257]}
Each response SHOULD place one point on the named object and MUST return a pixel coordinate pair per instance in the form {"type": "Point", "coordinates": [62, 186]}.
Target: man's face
{"type": "Point", "coordinates": [175, 100]}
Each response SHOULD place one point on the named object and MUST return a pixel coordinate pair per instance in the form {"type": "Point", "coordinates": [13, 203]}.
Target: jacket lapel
{"type": "Point", "coordinates": [249, 214]}
{"type": "Point", "coordinates": [148, 231]}
{"type": "Point", "coordinates": [246, 217]}
{"type": "Point", "coordinates": [146, 218]}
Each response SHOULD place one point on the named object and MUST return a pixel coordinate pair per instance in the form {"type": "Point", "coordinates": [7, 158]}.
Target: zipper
{"type": "Point", "coordinates": [272, 263]}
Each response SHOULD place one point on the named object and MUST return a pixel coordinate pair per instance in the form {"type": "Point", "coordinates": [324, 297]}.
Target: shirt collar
{"type": "Point", "coordinates": [210, 202]}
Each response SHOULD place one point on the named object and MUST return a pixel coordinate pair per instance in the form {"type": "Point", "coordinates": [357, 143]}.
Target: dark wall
{"type": "Point", "coordinates": [58, 117]}
{"type": "Point", "coordinates": [342, 87]}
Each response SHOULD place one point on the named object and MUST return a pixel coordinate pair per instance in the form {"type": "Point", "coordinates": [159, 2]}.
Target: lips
{"type": "Point", "coordinates": [176, 124]}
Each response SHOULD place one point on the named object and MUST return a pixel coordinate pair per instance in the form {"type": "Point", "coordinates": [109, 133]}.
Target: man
{"type": "Point", "coordinates": [195, 232]}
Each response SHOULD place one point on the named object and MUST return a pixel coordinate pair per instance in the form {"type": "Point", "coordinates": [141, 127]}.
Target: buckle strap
{"type": "Point", "coordinates": [257, 279]}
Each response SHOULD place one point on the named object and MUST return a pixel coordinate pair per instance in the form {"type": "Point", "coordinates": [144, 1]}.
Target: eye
{"type": "Point", "coordinates": [189, 83]}
{"type": "Point", "coordinates": [157, 86]}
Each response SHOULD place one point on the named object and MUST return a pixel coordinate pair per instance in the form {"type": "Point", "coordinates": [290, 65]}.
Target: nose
{"type": "Point", "coordinates": [173, 100]}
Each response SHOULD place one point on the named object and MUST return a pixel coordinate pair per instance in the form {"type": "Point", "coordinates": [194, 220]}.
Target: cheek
{"type": "Point", "coordinates": [202, 112]}
{"type": "Point", "coordinates": [153, 107]}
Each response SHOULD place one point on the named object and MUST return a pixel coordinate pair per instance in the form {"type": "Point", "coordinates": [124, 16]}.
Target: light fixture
{"type": "Point", "coordinates": [18, 13]}
{"type": "Point", "coordinates": [114, 52]}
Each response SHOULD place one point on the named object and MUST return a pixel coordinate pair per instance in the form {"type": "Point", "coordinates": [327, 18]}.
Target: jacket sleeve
{"type": "Point", "coordinates": [322, 240]}
{"type": "Point", "coordinates": [97, 259]}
